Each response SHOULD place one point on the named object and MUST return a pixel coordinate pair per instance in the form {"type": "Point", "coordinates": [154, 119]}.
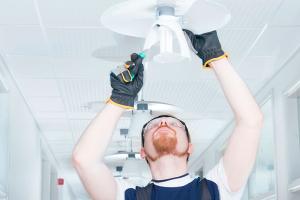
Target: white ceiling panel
{"type": "Point", "coordinates": [14, 12]}
{"type": "Point", "coordinates": [39, 87]}
{"type": "Point", "coordinates": [250, 14]}
{"type": "Point", "coordinates": [52, 125]}
{"type": "Point", "coordinates": [62, 147]}
{"type": "Point", "coordinates": [218, 104]}
{"type": "Point", "coordinates": [73, 12]}
{"type": "Point", "coordinates": [78, 93]}
{"type": "Point", "coordinates": [183, 71]}
{"type": "Point", "coordinates": [30, 66]}
{"type": "Point", "coordinates": [81, 68]}
{"type": "Point", "coordinates": [237, 42]}
{"type": "Point", "coordinates": [50, 115]}
{"type": "Point", "coordinates": [82, 115]}
{"type": "Point", "coordinates": [47, 104]}
{"type": "Point", "coordinates": [122, 145]}
{"type": "Point", "coordinates": [258, 67]}
{"type": "Point", "coordinates": [278, 42]}
{"type": "Point", "coordinates": [206, 129]}
{"type": "Point", "coordinates": [193, 96]}
{"type": "Point", "coordinates": [77, 127]}
{"type": "Point", "coordinates": [219, 107]}
{"type": "Point", "coordinates": [76, 42]}
{"type": "Point", "coordinates": [288, 14]}
{"type": "Point", "coordinates": [58, 135]}
{"type": "Point", "coordinates": [23, 40]}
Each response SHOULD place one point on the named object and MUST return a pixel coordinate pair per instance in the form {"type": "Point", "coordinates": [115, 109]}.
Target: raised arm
{"type": "Point", "coordinates": [241, 151]}
{"type": "Point", "coordinates": [89, 152]}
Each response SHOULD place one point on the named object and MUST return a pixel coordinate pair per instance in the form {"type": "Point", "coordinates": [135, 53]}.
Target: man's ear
{"type": "Point", "coordinates": [143, 153]}
{"type": "Point", "coordinates": [190, 149]}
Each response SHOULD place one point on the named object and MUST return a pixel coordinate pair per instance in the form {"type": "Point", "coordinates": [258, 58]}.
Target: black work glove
{"type": "Point", "coordinates": [207, 46]}
{"type": "Point", "coordinates": [124, 92]}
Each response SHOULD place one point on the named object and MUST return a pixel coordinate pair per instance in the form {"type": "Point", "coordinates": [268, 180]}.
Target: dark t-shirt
{"type": "Point", "coordinates": [183, 188]}
{"type": "Point", "coordinates": [191, 191]}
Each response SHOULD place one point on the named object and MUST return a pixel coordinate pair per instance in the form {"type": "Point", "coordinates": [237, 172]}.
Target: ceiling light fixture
{"type": "Point", "coordinates": [161, 21]}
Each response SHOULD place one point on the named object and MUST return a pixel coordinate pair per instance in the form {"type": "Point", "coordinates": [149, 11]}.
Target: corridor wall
{"type": "Point", "coordinates": [23, 163]}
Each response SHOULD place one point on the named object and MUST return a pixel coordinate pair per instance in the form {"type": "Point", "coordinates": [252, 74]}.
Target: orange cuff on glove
{"type": "Point", "coordinates": [109, 101]}
{"type": "Point", "coordinates": [206, 64]}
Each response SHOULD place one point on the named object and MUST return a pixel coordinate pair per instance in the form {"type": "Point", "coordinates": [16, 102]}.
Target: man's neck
{"type": "Point", "coordinates": [168, 167]}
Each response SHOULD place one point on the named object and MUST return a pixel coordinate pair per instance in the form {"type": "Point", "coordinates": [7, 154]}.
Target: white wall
{"type": "Point", "coordinates": [46, 177]}
{"type": "Point", "coordinates": [24, 151]}
{"type": "Point", "coordinates": [3, 143]}
{"type": "Point", "coordinates": [24, 147]}
{"type": "Point", "coordinates": [21, 149]}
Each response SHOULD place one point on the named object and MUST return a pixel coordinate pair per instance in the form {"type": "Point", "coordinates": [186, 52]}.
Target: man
{"type": "Point", "coordinates": [166, 143]}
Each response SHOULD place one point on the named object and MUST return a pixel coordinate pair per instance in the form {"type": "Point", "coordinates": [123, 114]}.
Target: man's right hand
{"type": "Point", "coordinates": [89, 152]}
{"type": "Point", "coordinates": [124, 93]}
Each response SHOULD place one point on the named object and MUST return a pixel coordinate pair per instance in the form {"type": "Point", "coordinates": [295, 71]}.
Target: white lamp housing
{"type": "Point", "coordinates": [164, 30]}
{"type": "Point", "coordinates": [162, 21]}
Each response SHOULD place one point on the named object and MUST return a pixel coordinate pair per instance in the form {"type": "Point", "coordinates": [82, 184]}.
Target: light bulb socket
{"type": "Point", "coordinates": [165, 10]}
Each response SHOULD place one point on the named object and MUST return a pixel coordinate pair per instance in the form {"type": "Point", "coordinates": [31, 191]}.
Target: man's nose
{"type": "Point", "coordinates": [163, 123]}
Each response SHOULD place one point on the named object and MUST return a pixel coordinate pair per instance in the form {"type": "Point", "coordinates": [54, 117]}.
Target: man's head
{"type": "Point", "coordinates": [165, 135]}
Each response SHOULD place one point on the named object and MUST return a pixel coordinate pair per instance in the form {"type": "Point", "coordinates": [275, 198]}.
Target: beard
{"type": "Point", "coordinates": [165, 143]}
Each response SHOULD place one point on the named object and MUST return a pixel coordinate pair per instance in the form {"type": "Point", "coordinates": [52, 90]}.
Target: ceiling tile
{"type": "Point", "coordinates": [192, 96]}
{"type": "Point", "coordinates": [53, 125]}
{"type": "Point", "coordinates": [250, 13]}
{"type": "Point", "coordinates": [206, 129]}
{"type": "Point", "coordinates": [18, 12]}
{"type": "Point", "coordinates": [82, 115]}
{"type": "Point", "coordinates": [259, 67]}
{"type": "Point", "coordinates": [278, 42]}
{"type": "Point", "coordinates": [237, 42]}
{"type": "Point", "coordinates": [62, 147]}
{"type": "Point", "coordinates": [82, 68]}
{"type": "Point", "coordinates": [47, 104]}
{"type": "Point", "coordinates": [288, 14]}
{"type": "Point", "coordinates": [76, 42]}
{"type": "Point", "coordinates": [23, 41]}
{"type": "Point", "coordinates": [58, 135]}
{"type": "Point", "coordinates": [50, 115]}
{"type": "Point", "coordinates": [39, 87]}
{"type": "Point", "coordinates": [77, 127]}
{"type": "Point", "coordinates": [78, 93]}
{"type": "Point", "coordinates": [73, 12]}
{"type": "Point", "coordinates": [30, 66]}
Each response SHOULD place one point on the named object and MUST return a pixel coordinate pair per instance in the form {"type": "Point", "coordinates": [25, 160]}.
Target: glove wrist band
{"type": "Point", "coordinates": [206, 63]}
{"type": "Point", "coordinates": [109, 101]}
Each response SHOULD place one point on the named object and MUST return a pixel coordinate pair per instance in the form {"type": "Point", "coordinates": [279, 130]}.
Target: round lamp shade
{"type": "Point", "coordinates": [136, 17]}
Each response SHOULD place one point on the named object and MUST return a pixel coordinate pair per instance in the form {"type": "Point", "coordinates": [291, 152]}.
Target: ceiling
{"type": "Point", "coordinates": [48, 47]}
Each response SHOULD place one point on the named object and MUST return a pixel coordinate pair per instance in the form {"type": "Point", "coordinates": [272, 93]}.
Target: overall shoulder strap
{"type": "Point", "coordinates": [144, 193]}
{"type": "Point", "coordinates": [205, 193]}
